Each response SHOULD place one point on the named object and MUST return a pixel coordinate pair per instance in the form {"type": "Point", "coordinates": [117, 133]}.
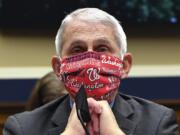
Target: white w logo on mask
{"type": "Point", "coordinates": [93, 74]}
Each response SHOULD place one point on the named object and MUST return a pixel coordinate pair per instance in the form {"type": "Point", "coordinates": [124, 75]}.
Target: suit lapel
{"type": "Point", "coordinates": [124, 115]}
{"type": "Point", "coordinates": [122, 110]}
{"type": "Point", "coordinates": [60, 118]}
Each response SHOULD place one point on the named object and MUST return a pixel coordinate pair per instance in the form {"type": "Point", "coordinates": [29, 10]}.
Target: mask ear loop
{"type": "Point", "coordinates": [82, 108]}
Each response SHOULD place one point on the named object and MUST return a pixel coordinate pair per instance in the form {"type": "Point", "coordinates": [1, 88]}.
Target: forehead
{"type": "Point", "coordinates": [83, 28]}
{"type": "Point", "coordinates": [89, 36]}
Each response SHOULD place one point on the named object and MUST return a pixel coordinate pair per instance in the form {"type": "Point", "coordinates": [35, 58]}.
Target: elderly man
{"type": "Point", "coordinates": [91, 51]}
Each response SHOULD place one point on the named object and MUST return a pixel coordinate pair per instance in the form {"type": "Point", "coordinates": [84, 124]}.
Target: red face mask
{"type": "Point", "coordinates": [99, 73]}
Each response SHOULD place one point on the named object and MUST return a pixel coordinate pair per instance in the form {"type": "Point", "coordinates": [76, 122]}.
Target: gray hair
{"type": "Point", "coordinates": [92, 15]}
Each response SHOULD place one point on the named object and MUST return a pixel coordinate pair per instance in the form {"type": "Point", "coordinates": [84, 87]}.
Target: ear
{"type": "Point", "coordinates": [56, 64]}
{"type": "Point", "coordinates": [127, 63]}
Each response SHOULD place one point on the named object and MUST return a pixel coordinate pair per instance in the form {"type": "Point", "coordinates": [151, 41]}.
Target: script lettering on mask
{"type": "Point", "coordinates": [73, 82]}
{"type": "Point", "coordinates": [113, 79]}
{"type": "Point", "coordinates": [108, 96]}
{"type": "Point", "coordinates": [110, 71]}
{"type": "Point", "coordinates": [93, 74]}
{"type": "Point", "coordinates": [93, 86]}
{"type": "Point", "coordinates": [107, 60]}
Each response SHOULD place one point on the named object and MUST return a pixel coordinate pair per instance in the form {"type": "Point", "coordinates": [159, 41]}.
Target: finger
{"type": "Point", "coordinates": [73, 124]}
{"type": "Point", "coordinates": [95, 122]}
{"type": "Point", "coordinates": [94, 105]}
{"type": "Point", "coordinates": [90, 128]}
{"type": "Point", "coordinates": [103, 103]}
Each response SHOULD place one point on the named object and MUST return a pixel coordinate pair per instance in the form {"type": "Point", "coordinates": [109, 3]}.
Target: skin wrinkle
{"type": "Point", "coordinates": [84, 33]}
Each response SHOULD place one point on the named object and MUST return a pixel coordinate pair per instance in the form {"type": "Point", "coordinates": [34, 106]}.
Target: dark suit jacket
{"type": "Point", "coordinates": [135, 116]}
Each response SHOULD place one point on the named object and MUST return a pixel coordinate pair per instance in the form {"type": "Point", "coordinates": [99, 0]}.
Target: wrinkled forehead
{"type": "Point", "coordinates": [79, 25]}
{"type": "Point", "coordinates": [83, 25]}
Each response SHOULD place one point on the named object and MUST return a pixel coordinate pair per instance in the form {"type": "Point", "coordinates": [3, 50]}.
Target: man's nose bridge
{"type": "Point", "coordinates": [90, 44]}
{"type": "Point", "coordinates": [90, 50]}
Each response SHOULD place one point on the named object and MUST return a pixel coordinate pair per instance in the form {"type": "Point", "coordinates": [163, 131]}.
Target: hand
{"type": "Point", "coordinates": [108, 124]}
{"type": "Point", "coordinates": [95, 111]}
{"type": "Point", "coordinates": [101, 117]}
{"type": "Point", "coordinates": [74, 126]}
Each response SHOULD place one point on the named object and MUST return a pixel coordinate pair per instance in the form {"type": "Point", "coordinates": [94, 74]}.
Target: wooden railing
{"type": "Point", "coordinates": [7, 109]}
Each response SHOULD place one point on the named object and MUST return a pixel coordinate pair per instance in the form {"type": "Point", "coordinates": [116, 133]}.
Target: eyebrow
{"type": "Point", "coordinates": [102, 41]}
{"type": "Point", "coordinates": [77, 42]}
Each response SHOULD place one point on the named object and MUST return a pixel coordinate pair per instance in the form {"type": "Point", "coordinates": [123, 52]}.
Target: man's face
{"type": "Point", "coordinates": [81, 36]}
